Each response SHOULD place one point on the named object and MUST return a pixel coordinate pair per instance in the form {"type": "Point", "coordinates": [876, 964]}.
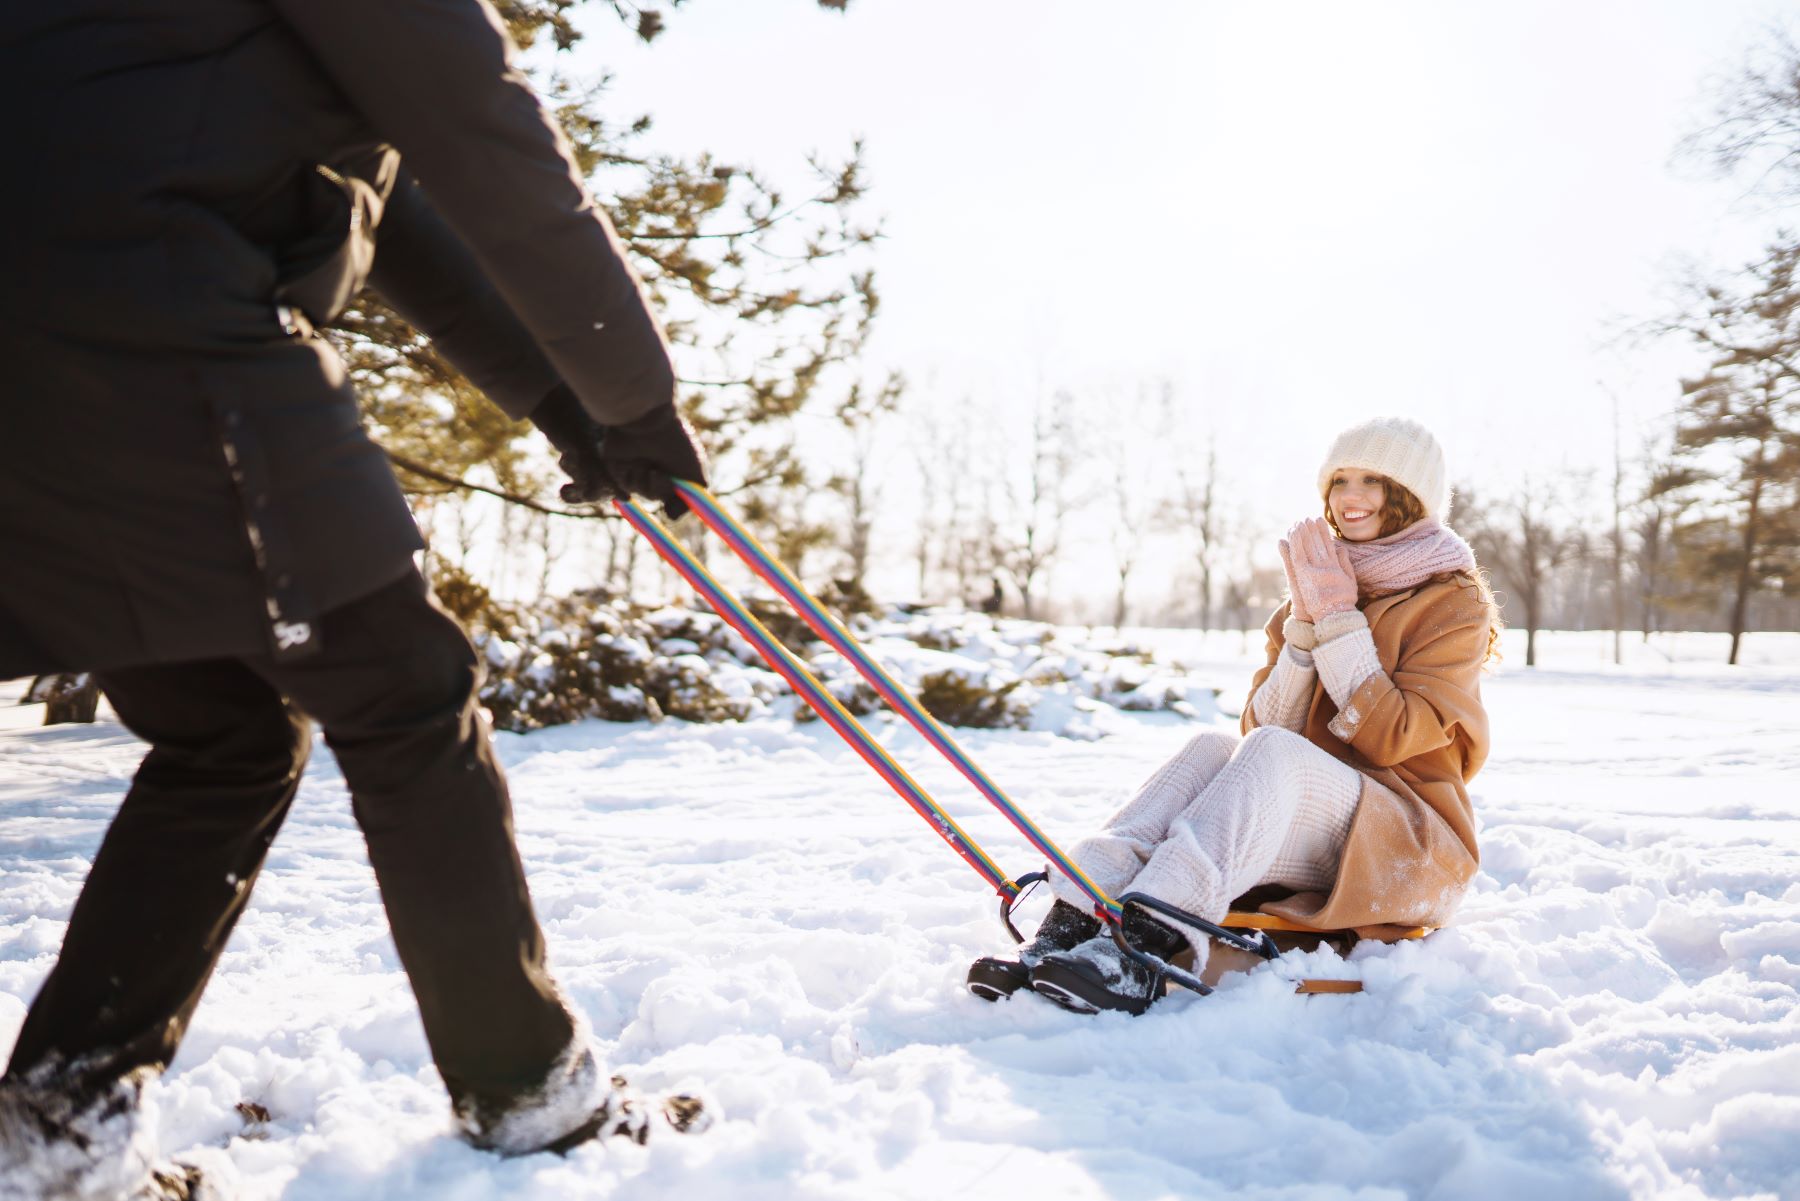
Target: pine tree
{"type": "Point", "coordinates": [763, 296]}
{"type": "Point", "coordinates": [1739, 428]}
{"type": "Point", "coordinates": [1656, 511]}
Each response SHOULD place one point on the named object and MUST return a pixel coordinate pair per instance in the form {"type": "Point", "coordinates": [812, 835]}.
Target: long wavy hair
{"type": "Point", "coordinates": [1400, 509]}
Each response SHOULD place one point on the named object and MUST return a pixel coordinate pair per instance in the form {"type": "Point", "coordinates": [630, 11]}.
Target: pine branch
{"type": "Point", "coordinates": [766, 223]}
{"type": "Point", "coordinates": [514, 498]}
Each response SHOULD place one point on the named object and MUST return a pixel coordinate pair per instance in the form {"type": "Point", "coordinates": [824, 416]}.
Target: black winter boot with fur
{"type": "Point", "coordinates": [1097, 975]}
{"type": "Point", "coordinates": [1065, 926]}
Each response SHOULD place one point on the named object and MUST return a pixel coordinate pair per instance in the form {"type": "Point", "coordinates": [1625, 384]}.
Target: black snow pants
{"type": "Point", "coordinates": [393, 688]}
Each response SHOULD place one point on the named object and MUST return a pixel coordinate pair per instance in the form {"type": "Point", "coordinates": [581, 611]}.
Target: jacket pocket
{"type": "Point", "coordinates": [322, 270]}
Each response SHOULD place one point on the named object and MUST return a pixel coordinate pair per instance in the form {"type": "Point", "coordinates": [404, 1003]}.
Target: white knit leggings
{"type": "Point", "coordinates": [1221, 817]}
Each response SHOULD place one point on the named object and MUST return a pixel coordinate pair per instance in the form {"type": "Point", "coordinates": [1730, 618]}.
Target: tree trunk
{"type": "Point", "coordinates": [1531, 626]}
{"type": "Point", "coordinates": [859, 545]}
{"type": "Point", "coordinates": [550, 556]}
{"type": "Point", "coordinates": [1650, 573]}
{"type": "Point", "coordinates": [631, 557]}
{"type": "Point", "coordinates": [1618, 572]}
{"type": "Point", "coordinates": [616, 533]}
{"type": "Point", "coordinates": [1746, 570]}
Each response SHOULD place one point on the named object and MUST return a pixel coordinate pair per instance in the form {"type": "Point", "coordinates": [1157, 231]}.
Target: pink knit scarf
{"type": "Point", "coordinates": [1408, 558]}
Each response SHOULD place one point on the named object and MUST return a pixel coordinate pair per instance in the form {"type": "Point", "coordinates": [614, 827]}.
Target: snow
{"type": "Point", "coordinates": [744, 910]}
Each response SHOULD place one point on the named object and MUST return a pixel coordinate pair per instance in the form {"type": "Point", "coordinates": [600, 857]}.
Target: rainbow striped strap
{"type": "Point", "coordinates": [744, 544]}
{"type": "Point", "coordinates": [808, 688]}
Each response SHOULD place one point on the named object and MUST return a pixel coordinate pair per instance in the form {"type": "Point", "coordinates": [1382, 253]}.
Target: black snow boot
{"type": "Point", "coordinates": [1065, 926]}
{"type": "Point", "coordinates": [572, 1106]}
{"type": "Point", "coordinates": [1097, 975]}
{"type": "Point", "coordinates": [65, 1134]}
{"type": "Point", "coordinates": [626, 1115]}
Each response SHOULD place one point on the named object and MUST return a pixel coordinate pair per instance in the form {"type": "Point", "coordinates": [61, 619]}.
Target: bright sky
{"type": "Point", "coordinates": [1300, 214]}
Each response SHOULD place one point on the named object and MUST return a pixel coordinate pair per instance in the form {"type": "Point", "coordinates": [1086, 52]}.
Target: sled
{"type": "Point", "coordinates": [1252, 938]}
{"type": "Point", "coordinates": [1291, 936]}
{"type": "Point", "coordinates": [1244, 939]}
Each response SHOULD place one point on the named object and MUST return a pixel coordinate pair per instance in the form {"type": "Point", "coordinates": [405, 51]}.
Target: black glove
{"type": "Point", "coordinates": [647, 454]}
{"type": "Point", "coordinates": [604, 462]}
{"type": "Point", "coordinates": [576, 438]}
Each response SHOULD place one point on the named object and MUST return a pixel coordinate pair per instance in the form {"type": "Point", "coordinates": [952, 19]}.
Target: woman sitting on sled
{"type": "Point", "coordinates": [1349, 787]}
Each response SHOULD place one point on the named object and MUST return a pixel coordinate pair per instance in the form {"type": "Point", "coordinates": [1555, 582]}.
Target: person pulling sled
{"type": "Point", "coordinates": [191, 509]}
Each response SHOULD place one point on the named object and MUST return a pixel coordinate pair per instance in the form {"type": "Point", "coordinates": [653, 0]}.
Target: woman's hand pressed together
{"type": "Point", "coordinates": [1296, 604]}
{"type": "Point", "coordinates": [1319, 571]}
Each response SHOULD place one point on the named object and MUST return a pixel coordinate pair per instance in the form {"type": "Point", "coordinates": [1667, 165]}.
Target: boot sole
{"type": "Point", "coordinates": [1068, 1000]}
{"type": "Point", "coordinates": [1078, 994]}
{"type": "Point", "coordinates": [997, 979]}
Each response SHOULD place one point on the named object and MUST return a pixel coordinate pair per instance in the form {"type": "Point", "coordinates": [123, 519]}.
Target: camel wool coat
{"type": "Point", "coordinates": [1418, 727]}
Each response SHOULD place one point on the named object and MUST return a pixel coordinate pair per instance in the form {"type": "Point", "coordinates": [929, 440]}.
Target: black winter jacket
{"type": "Point", "coordinates": [191, 186]}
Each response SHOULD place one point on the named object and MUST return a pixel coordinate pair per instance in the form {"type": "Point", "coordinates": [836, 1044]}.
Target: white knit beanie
{"type": "Point", "coordinates": [1400, 449]}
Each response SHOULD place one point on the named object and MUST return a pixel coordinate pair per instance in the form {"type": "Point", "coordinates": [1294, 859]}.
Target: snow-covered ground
{"type": "Point", "coordinates": [745, 909]}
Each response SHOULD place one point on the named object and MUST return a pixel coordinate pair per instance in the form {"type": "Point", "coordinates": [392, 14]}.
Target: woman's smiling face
{"type": "Point", "coordinates": [1356, 497]}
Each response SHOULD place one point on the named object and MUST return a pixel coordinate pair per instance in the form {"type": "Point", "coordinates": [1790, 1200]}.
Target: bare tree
{"type": "Point", "coordinates": [863, 415]}
{"type": "Point", "coordinates": [1524, 540]}
{"type": "Point", "coordinates": [951, 542]}
{"type": "Point", "coordinates": [1134, 469]}
{"type": "Point", "coordinates": [1039, 501]}
{"type": "Point", "coordinates": [1754, 131]}
{"type": "Point", "coordinates": [976, 543]}
{"type": "Point", "coordinates": [1192, 512]}
{"type": "Point", "coordinates": [1126, 535]}
{"type": "Point", "coordinates": [1618, 542]}
{"type": "Point", "coordinates": [1197, 499]}
{"type": "Point", "coordinates": [929, 445]}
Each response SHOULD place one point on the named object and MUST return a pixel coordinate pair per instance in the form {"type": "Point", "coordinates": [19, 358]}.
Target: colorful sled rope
{"type": "Point", "coordinates": [822, 623]}
{"type": "Point", "coordinates": [809, 689]}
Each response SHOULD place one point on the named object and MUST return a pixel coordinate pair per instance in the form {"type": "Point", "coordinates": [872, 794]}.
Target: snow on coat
{"type": "Point", "coordinates": [1418, 727]}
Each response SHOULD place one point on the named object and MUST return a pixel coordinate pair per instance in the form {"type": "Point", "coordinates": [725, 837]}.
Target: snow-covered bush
{"type": "Point", "coordinates": [591, 656]}
{"type": "Point", "coordinates": [957, 699]}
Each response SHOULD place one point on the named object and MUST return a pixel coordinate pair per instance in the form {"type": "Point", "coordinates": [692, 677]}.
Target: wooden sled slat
{"type": "Point", "coordinates": [1243, 920]}
{"type": "Point", "coordinates": [1223, 960]}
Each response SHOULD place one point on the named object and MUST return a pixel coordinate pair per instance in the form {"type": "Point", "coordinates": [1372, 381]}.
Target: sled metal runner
{"type": "Point", "coordinates": [1249, 936]}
